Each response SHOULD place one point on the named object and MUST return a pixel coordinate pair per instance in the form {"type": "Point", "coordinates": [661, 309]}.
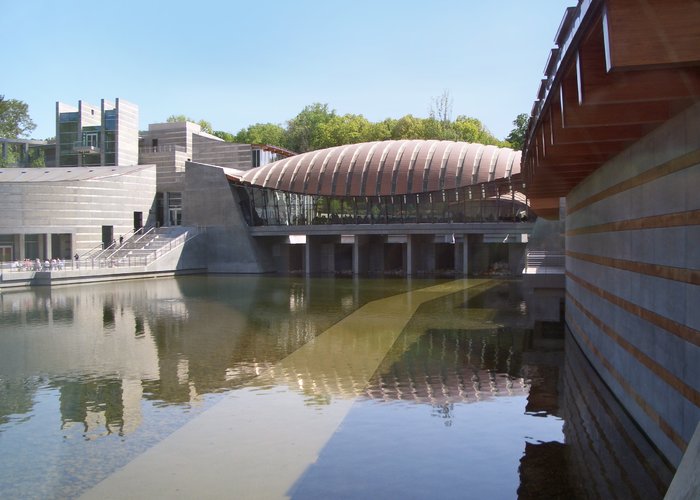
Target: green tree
{"type": "Point", "coordinates": [263, 133]}
{"type": "Point", "coordinates": [178, 119]}
{"type": "Point", "coordinates": [14, 119]}
{"type": "Point", "coordinates": [204, 124]}
{"type": "Point", "coordinates": [226, 136]}
{"type": "Point", "coordinates": [381, 131]}
{"type": "Point", "coordinates": [471, 129]}
{"type": "Point", "coordinates": [408, 127]}
{"type": "Point", "coordinates": [516, 138]}
{"type": "Point", "coordinates": [345, 129]}
{"type": "Point", "coordinates": [303, 130]}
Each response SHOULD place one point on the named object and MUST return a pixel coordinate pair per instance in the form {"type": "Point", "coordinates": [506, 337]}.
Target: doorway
{"type": "Point", "coordinates": [107, 236]}
{"type": "Point", "coordinates": [138, 221]}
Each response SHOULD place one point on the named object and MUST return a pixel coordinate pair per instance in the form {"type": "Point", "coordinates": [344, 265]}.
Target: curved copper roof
{"type": "Point", "coordinates": [387, 168]}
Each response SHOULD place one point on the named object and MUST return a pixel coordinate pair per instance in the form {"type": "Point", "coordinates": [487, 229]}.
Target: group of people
{"type": "Point", "coordinates": [38, 265]}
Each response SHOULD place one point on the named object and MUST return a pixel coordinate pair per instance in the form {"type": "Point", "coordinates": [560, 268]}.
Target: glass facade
{"type": "Point", "coordinates": [91, 137]}
{"type": "Point", "coordinates": [67, 136]}
{"type": "Point", "coordinates": [110, 138]}
{"type": "Point", "coordinates": [482, 203]}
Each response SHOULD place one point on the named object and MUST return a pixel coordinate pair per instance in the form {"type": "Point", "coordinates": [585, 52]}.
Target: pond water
{"type": "Point", "coordinates": [267, 387]}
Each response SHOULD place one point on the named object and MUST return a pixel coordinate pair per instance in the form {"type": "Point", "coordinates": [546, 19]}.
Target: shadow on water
{"type": "Point", "coordinates": [470, 363]}
{"type": "Point", "coordinates": [469, 401]}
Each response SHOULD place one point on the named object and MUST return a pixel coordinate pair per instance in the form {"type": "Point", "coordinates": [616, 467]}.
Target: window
{"type": "Point", "coordinates": [91, 140]}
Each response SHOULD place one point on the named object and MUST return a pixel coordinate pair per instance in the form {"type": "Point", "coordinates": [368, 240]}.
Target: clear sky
{"type": "Point", "coordinates": [235, 63]}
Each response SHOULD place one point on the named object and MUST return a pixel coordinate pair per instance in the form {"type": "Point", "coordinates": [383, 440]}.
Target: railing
{"type": "Point", "coordinates": [543, 261]}
{"type": "Point", "coordinates": [106, 262]}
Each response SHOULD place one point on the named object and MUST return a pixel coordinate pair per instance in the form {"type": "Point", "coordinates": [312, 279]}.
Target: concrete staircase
{"type": "Point", "coordinates": [143, 249]}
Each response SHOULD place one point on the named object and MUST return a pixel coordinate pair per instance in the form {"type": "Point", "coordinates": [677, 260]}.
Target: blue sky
{"type": "Point", "coordinates": [237, 63]}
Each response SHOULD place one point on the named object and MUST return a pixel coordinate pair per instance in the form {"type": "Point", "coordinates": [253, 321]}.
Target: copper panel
{"type": "Point", "coordinates": [284, 179]}
{"type": "Point", "coordinates": [385, 187]}
{"type": "Point", "coordinates": [450, 181]}
{"type": "Point", "coordinates": [416, 183]}
{"type": "Point", "coordinates": [317, 169]}
{"type": "Point", "coordinates": [502, 164]}
{"type": "Point", "coordinates": [402, 178]}
{"type": "Point", "coordinates": [473, 155]}
{"type": "Point", "coordinates": [485, 164]}
{"type": "Point", "coordinates": [371, 184]}
{"type": "Point", "coordinates": [270, 174]}
{"type": "Point", "coordinates": [325, 174]}
{"type": "Point", "coordinates": [436, 165]}
{"type": "Point", "coordinates": [354, 166]}
{"type": "Point", "coordinates": [355, 180]}
{"type": "Point", "coordinates": [341, 177]}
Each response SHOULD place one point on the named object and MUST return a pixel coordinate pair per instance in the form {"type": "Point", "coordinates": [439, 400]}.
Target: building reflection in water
{"type": "Point", "coordinates": [604, 454]}
{"type": "Point", "coordinates": [106, 349]}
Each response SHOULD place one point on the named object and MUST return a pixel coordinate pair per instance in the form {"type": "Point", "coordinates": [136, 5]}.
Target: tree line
{"type": "Point", "coordinates": [318, 127]}
{"type": "Point", "coordinates": [315, 127]}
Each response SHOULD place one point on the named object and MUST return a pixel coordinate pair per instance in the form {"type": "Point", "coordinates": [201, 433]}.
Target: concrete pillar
{"type": "Point", "coordinates": [49, 250]}
{"type": "Point", "coordinates": [22, 249]}
{"type": "Point", "coordinates": [409, 255]}
{"type": "Point", "coordinates": [307, 258]}
{"type": "Point", "coordinates": [356, 256]}
{"type": "Point", "coordinates": [456, 249]}
{"type": "Point", "coordinates": [465, 255]}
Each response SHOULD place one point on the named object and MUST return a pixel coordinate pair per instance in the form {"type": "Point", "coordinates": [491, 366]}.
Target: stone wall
{"type": "Point", "coordinates": [79, 207]}
{"type": "Point", "coordinates": [210, 203]}
{"type": "Point", "coordinates": [633, 276]}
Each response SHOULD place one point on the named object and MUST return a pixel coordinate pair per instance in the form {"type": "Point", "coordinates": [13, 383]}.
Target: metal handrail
{"type": "Point", "coordinates": [108, 262]}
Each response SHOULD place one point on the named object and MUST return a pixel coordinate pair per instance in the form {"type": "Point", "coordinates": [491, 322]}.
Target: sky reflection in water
{"type": "Point", "coordinates": [92, 376]}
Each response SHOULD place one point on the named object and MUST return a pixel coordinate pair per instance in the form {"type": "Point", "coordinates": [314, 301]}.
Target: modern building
{"type": "Point", "coordinates": [613, 133]}
{"type": "Point", "coordinates": [97, 136]}
{"type": "Point", "coordinates": [389, 207]}
{"type": "Point", "coordinates": [112, 180]}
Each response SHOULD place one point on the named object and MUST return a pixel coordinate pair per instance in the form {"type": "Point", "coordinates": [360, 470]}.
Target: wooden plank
{"type": "Point", "coordinates": [615, 133]}
{"type": "Point", "coordinates": [596, 85]}
{"type": "Point", "coordinates": [651, 33]}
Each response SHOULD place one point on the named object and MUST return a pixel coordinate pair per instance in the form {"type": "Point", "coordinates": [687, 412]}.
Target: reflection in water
{"type": "Point", "coordinates": [609, 456]}
{"type": "Point", "coordinates": [91, 376]}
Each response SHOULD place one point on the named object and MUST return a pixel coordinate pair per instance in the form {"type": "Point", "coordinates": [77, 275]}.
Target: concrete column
{"type": "Point", "coordinates": [409, 255]}
{"type": "Point", "coordinates": [48, 251]}
{"type": "Point", "coordinates": [22, 249]}
{"type": "Point", "coordinates": [356, 256]}
{"type": "Point", "coordinates": [465, 254]}
{"type": "Point", "coordinates": [307, 258]}
{"type": "Point", "coordinates": [456, 248]}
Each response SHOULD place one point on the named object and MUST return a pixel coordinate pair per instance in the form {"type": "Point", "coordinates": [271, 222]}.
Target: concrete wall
{"type": "Point", "coordinates": [79, 208]}
{"type": "Point", "coordinates": [223, 154]}
{"type": "Point", "coordinates": [127, 133]}
{"type": "Point", "coordinates": [209, 202]}
{"type": "Point", "coordinates": [171, 134]}
{"type": "Point", "coordinates": [633, 276]}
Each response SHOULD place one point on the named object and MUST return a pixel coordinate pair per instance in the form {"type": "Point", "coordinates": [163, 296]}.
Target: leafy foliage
{"type": "Point", "coordinates": [516, 138]}
{"type": "Point", "coordinates": [205, 125]}
{"type": "Point", "coordinates": [317, 127]}
{"type": "Point", "coordinates": [14, 119]}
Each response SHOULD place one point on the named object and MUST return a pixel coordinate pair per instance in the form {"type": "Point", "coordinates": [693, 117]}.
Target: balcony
{"type": "Point", "coordinates": [83, 147]}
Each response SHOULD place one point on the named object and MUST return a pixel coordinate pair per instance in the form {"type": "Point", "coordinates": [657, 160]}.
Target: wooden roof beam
{"type": "Point", "coordinates": [651, 33]}
{"type": "Point", "coordinates": [596, 85]}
